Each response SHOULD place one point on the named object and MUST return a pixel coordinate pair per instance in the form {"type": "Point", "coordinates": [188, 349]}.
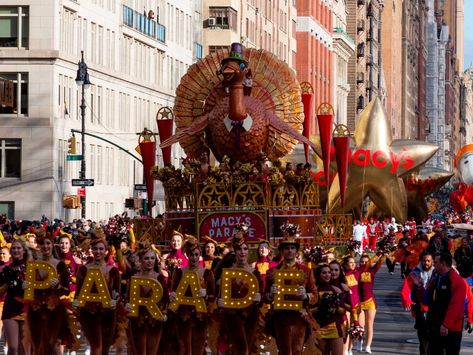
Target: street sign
{"type": "Point", "coordinates": [72, 157]}
{"type": "Point", "coordinates": [140, 187]}
{"type": "Point", "coordinates": [82, 182]}
{"type": "Point", "coordinates": [81, 192]}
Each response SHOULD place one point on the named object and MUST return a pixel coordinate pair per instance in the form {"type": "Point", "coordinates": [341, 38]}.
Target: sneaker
{"type": "Point", "coordinates": [349, 352]}
{"type": "Point", "coordinates": [391, 273]}
{"type": "Point", "coordinates": [368, 350]}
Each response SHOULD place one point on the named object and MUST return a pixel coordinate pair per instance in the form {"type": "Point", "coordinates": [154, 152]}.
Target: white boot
{"type": "Point", "coordinates": [360, 346]}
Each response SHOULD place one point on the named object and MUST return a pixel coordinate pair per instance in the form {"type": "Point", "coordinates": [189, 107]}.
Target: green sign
{"type": "Point", "coordinates": [72, 157]}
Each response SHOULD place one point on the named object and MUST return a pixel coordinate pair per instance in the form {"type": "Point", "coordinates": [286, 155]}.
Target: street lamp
{"type": "Point", "coordinates": [82, 79]}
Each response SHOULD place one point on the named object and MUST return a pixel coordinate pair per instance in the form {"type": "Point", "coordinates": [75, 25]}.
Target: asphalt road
{"type": "Point", "coordinates": [394, 332]}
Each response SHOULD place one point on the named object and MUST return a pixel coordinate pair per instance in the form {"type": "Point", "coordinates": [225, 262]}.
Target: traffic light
{"type": "Point", "coordinates": [72, 145]}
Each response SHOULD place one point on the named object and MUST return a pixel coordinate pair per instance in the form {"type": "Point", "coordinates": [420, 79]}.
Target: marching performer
{"type": "Point", "coordinates": [47, 316]}
{"type": "Point", "coordinates": [99, 324]}
{"type": "Point", "coordinates": [144, 331]}
{"type": "Point", "coordinates": [333, 302]}
{"type": "Point", "coordinates": [291, 328]}
{"type": "Point", "coordinates": [241, 324]}
{"type": "Point", "coordinates": [191, 325]}
{"type": "Point", "coordinates": [352, 275]}
{"type": "Point", "coordinates": [367, 299]}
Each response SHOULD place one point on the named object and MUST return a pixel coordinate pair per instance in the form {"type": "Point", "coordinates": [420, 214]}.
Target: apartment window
{"type": "Point", "coordinates": [8, 209]}
{"type": "Point", "coordinates": [224, 17]}
{"type": "Point", "coordinates": [20, 94]}
{"type": "Point", "coordinates": [213, 49]}
{"type": "Point", "coordinates": [14, 26]}
{"type": "Point", "coordinates": [10, 158]}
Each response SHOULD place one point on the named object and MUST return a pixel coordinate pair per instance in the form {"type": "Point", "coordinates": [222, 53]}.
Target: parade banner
{"type": "Point", "coordinates": [95, 289]}
{"type": "Point", "coordinates": [221, 225]}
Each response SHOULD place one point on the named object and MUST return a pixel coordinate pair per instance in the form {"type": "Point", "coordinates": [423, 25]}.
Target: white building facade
{"type": "Point", "coordinates": [136, 52]}
{"type": "Point", "coordinates": [437, 38]}
{"type": "Point", "coordinates": [261, 24]}
{"type": "Point", "coordinates": [343, 48]}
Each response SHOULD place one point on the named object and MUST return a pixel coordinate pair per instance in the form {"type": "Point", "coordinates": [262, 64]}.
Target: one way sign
{"type": "Point", "coordinates": [82, 182]}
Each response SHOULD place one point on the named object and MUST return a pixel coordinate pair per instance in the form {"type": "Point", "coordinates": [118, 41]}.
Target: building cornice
{"type": "Point", "coordinates": [309, 25]}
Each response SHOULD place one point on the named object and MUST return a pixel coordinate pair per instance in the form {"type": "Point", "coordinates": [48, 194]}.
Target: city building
{"type": "Point", "coordinates": [466, 108]}
{"type": "Point", "coordinates": [437, 39]}
{"type": "Point", "coordinates": [364, 23]}
{"type": "Point", "coordinates": [443, 125]}
{"type": "Point", "coordinates": [392, 62]}
{"type": "Point", "coordinates": [135, 50]}
{"type": "Point", "coordinates": [410, 69]}
{"type": "Point", "coordinates": [261, 24]}
{"type": "Point", "coordinates": [452, 15]}
{"type": "Point", "coordinates": [421, 71]}
{"type": "Point", "coordinates": [343, 48]}
{"type": "Point", "coordinates": [314, 51]}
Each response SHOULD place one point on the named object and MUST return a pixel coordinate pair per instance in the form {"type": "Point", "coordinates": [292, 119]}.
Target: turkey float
{"type": "Point", "coordinates": [240, 104]}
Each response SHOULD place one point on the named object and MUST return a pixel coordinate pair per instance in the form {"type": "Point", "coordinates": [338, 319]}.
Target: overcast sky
{"type": "Point", "coordinates": [468, 33]}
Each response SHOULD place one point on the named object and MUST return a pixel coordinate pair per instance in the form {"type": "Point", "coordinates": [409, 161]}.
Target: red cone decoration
{"type": "Point", "coordinates": [341, 141]}
{"type": "Point", "coordinates": [164, 120]}
{"type": "Point", "coordinates": [148, 153]}
{"type": "Point", "coordinates": [306, 96]}
{"type": "Point", "coordinates": [325, 118]}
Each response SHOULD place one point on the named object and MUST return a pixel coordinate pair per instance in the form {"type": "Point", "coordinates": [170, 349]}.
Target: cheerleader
{"type": "Point", "coordinates": [144, 331]}
{"type": "Point", "coordinates": [98, 323]}
{"type": "Point", "coordinates": [210, 251]}
{"type": "Point", "coordinates": [191, 325]}
{"type": "Point", "coordinates": [70, 260]}
{"type": "Point", "coordinates": [14, 312]}
{"type": "Point", "coordinates": [330, 311]}
{"type": "Point", "coordinates": [352, 275]}
{"type": "Point", "coordinates": [263, 261]}
{"type": "Point", "coordinates": [367, 299]}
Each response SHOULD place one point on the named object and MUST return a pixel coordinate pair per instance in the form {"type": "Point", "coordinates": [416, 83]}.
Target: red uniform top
{"type": "Point", "coordinates": [353, 278]}
{"type": "Point", "coordinates": [367, 280]}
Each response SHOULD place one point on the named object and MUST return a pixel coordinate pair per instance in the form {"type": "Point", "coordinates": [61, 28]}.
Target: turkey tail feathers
{"type": "Point", "coordinates": [274, 85]}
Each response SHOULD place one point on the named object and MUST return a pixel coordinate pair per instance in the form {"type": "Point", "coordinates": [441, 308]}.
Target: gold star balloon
{"type": "Point", "coordinates": [422, 183]}
{"type": "Point", "coordinates": [376, 164]}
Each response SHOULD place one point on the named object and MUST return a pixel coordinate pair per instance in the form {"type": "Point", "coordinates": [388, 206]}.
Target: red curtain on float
{"type": "Point", "coordinates": [165, 131]}
{"type": "Point", "coordinates": [341, 144]}
{"type": "Point", "coordinates": [325, 118]}
{"type": "Point", "coordinates": [306, 101]}
{"type": "Point", "coordinates": [148, 153]}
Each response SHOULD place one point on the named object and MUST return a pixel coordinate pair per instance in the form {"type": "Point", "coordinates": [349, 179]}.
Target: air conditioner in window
{"type": "Point", "coordinates": [212, 21]}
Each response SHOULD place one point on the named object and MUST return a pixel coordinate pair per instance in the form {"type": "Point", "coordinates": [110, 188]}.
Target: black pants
{"type": "Point", "coordinates": [423, 334]}
{"type": "Point", "coordinates": [390, 264]}
{"type": "Point", "coordinates": [447, 345]}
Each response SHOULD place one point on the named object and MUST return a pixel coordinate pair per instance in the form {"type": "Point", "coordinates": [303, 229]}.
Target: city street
{"type": "Point", "coordinates": [394, 328]}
